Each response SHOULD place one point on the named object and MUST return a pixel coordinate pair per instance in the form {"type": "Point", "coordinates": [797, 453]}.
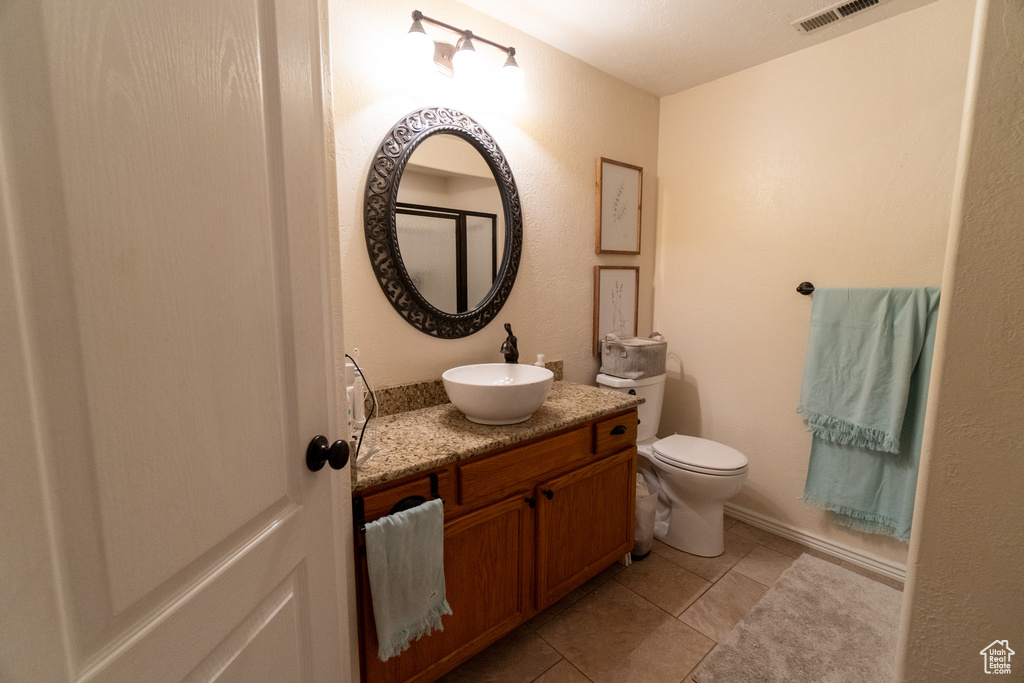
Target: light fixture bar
{"type": "Point", "coordinates": [419, 16]}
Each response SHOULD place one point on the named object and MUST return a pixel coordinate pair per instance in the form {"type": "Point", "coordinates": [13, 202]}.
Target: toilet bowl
{"type": "Point", "coordinates": [693, 477]}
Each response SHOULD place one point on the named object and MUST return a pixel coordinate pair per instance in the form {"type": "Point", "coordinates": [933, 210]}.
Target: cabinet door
{"type": "Point", "coordinates": [584, 522]}
{"type": "Point", "coordinates": [488, 573]}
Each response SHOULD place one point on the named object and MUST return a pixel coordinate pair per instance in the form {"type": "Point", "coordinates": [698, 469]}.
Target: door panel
{"type": "Point", "coordinates": [207, 614]}
{"type": "Point", "coordinates": [267, 639]}
{"type": "Point", "coordinates": [276, 645]}
{"type": "Point", "coordinates": [164, 178]}
{"type": "Point", "coordinates": [168, 334]}
{"type": "Point", "coordinates": [585, 525]}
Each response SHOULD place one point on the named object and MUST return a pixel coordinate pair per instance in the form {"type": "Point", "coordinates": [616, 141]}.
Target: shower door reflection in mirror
{"type": "Point", "coordinates": [450, 254]}
{"type": "Point", "coordinates": [449, 220]}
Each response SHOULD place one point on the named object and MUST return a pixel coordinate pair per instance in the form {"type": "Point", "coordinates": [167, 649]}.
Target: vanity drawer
{"type": "Point", "coordinates": [376, 505]}
{"type": "Point", "coordinates": [615, 433]}
{"type": "Point", "coordinates": [519, 469]}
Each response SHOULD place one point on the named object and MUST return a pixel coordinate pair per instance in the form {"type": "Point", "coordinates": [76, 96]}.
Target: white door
{"type": "Point", "coordinates": [164, 353]}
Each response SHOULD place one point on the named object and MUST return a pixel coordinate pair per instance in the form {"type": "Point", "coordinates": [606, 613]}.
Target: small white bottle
{"type": "Point", "coordinates": [356, 399]}
{"type": "Point", "coordinates": [540, 360]}
{"type": "Point", "coordinates": [350, 380]}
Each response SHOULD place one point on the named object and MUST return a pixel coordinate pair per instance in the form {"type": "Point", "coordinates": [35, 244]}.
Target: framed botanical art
{"type": "Point", "coordinates": [616, 295]}
{"type": "Point", "coordinates": [619, 192]}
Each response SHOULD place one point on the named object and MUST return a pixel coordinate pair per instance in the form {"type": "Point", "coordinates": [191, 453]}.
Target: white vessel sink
{"type": "Point", "coordinates": [498, 393]}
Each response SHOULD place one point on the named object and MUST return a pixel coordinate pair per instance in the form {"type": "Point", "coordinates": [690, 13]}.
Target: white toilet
{"type": "Point", "coordinates": [692, 477]}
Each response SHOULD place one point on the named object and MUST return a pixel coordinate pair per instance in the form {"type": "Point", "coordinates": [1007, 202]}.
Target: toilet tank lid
{"type": "Point", "coordinates": [690, 450]}
{"type": "Point", "coordinates": [623, 383]}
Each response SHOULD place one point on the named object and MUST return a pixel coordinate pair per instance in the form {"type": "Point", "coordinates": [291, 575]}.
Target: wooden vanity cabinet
{"type": "Point", "coordinates": [523, 527]}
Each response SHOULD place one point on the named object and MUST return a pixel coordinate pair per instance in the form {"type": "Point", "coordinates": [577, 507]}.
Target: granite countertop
{"type": "Point", "coordinates": [421, 440]}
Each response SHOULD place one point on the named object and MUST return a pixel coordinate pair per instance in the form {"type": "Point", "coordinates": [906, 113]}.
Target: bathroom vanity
{"type": "Point", "coordinates": [531, 512]}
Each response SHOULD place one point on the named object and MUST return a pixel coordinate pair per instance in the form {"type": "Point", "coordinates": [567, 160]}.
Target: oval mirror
{"type": "Point", "coordinates": [443, 223]}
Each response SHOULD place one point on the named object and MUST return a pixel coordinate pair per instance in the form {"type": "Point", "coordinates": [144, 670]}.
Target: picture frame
{"type": "Point", "coordinates": [619, 207]}
{"type": "Point", "coordinates": [616, 302]}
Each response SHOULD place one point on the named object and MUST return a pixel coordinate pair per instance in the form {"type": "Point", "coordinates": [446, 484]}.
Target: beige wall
{"type": "Point", "coordinates": [573, 114]}
{"type": "Point", "coordinates": [963, 589]}
{"type": "Point", "coordinates": [834, 165]}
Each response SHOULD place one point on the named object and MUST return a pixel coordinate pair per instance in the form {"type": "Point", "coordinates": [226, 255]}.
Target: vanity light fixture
{"type": "Point", "coordinates": [418, 44]}
{"type": "Point", "coordinates": [467, 62]}
{"type": "Point", "coordinates": [511, 75]}
{"type": "Point", "coordinates": [462, 59]}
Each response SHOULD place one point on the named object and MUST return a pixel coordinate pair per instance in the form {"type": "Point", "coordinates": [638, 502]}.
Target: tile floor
{"type": "Point", "coordinates": [652, 622]}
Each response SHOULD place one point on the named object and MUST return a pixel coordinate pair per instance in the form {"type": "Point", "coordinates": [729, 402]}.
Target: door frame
{"type": "Point", "coordinates": [331, 270]}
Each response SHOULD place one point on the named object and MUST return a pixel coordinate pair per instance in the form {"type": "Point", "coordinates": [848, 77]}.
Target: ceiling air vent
{"type": "Point", "coordinates": [838, 11]}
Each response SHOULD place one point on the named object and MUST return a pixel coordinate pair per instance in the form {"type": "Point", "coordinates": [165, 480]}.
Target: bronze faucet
{"type": "Point", "coordinates": [509, 348]}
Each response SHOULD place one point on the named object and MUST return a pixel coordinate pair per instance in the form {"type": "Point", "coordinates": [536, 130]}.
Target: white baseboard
{"type": "Point", "coordinates": [893, 570]}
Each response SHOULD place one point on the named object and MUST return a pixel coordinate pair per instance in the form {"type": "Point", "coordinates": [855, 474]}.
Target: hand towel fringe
{"type": "Point", "coordinates": [846, 433]}
{"type": "Point", "coordinates": [403, 638]}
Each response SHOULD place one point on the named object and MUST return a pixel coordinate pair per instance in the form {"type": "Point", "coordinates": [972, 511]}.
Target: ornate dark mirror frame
{"type": "Point", "coordinates": [382, 233]}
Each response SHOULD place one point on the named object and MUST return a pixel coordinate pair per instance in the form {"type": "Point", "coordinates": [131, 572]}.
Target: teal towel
{"type": "Point", "coordinates": [862, 350]}
{"type": "Point", "coordinates": [869, 489]}
{"type": "Point", "coordinates": [405, 560]}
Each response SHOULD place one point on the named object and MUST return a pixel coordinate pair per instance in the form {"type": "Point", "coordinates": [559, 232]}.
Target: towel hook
{"type": "Point", "coordinates": [359, 514]}
{"type": "Point", "coordinates": [805, 288]}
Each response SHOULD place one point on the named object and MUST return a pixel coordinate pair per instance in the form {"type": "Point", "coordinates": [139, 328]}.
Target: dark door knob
{"type": "Point", "coordinates": [319, 452]}
{"type": "Point", "coordinates": [619, 429]}
{"type": "Point", "coordinates": [548, 493]}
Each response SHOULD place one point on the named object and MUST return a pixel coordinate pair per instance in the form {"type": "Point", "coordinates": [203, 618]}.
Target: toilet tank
{"type": "Point", "coordinates": [652, 389]}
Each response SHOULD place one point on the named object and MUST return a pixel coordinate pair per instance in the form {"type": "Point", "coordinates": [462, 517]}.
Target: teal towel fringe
{"type": "Point", "coordinates": [848, 434]}
{"type": "Point", "coordinates": [859, 519]}
{"type": "Point", "coordinates": [403, 638]}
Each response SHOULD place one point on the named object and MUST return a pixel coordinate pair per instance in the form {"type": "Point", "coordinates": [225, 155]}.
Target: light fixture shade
{"type": "Point", "coordinates": [467, 63]}
{"type": "Point", "coordinates": [512, 79]}
{"type": "Point", "coordinates": [419, 47]}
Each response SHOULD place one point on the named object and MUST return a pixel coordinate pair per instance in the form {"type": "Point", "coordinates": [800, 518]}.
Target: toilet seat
{"type": "Point", "coordinates": [699, 455]}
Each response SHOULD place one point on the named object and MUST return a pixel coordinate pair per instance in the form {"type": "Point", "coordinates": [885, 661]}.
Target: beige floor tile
{"type": "Point", "coordinates": [763, 565]}
{"type": "Point", "coordinates": [689, 677]}
{"type": "Point", "coordinates": [822, 556]}
{"type": "Point", "coordinates": [729, 521]}
{"type": "Point", "coordinates": [663, 583]}
{"type": "Point", "coordinates": [723, 605]}
{"type": "Point", "coordinates": [608, 573]}
{"type": "Point", "coordinates": [892, 583]}
{"type": "Point", "coordinates": [768, 539]}
{"type": "Point", "coordinates": [563, 672]}
{"type": "Point", "coordinates": [614, 635]}
{"type": "Point", "coordinates": [556, 608]}
{"type": "Point", "coordinates": [519, 657]}
{"type": "Point", "coordinates": [710, 568]}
